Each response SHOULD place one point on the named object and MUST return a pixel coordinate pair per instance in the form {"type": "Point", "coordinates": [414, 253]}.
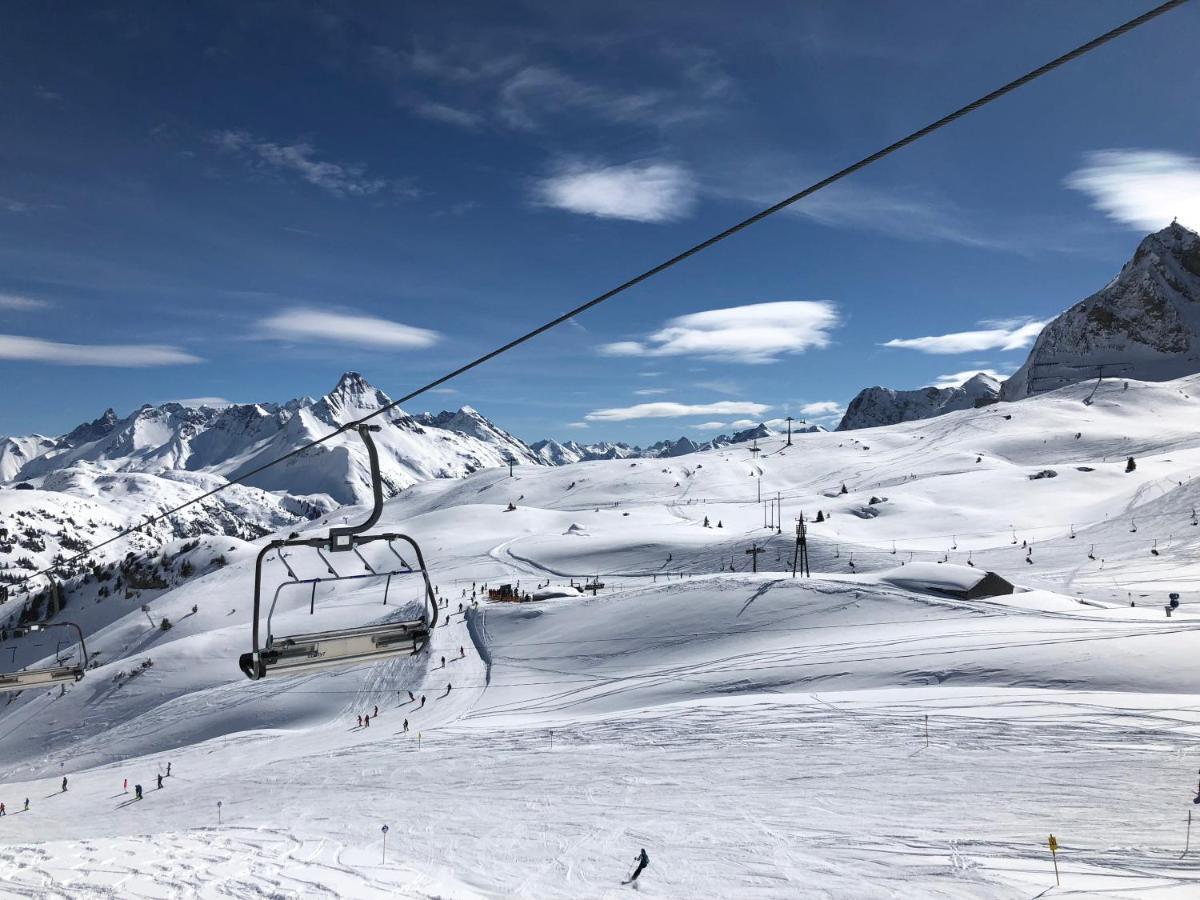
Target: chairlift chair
{"type": "Point", "coordinates": [299, 653]}
{"type": "Point", "coordinates": [56, 674]}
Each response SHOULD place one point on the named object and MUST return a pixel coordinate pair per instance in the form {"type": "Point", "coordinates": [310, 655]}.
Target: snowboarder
{"type": "Point", "coordinates": [137, 791]}
{"type": "Point", "coordinates": [360, 721]}
{"type": "Point", "coordinates": [64, 790]}
{"type": "Point", "coordinates": [642, 860]}
{"type": "Point", "coordinates": [160, 781]}
{"type": "Point", "coordinates": [406, 726]}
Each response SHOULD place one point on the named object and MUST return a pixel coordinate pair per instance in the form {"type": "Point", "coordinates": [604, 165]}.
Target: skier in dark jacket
{"type": "Point", "coordinates": [64, 784]}
{"type": "Point", "coordinates": [137, 791]}
{"type": "Point", "coordinates": [406, 726]}
{"type": "Point", "coordinates": [360, 721]}
{"type": "Point", "coordinates": [642, 861]}
{"type": "Point", "coordinates": [160, 781]}
{"type": "Point", "coordinates": [375, 712]}
{"type": "Point", "coordinates": [367, 721]}
{"type": "Point", "coordinates": [412, 697]}
{"type": "Point", "coordinates": [422, 701]}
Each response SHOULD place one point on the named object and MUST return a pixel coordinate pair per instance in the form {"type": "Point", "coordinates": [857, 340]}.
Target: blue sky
{"type": "Point", "coordinates": [243, 200]}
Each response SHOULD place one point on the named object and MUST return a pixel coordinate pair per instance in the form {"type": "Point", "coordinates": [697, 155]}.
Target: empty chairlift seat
{"type": "Point", "coordinates": [40, 676]}
{"type": "Point", "coordinates": [298, 653]}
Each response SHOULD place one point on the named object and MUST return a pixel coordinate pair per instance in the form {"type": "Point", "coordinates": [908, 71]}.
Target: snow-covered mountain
{"type": "Point", "coordinates": [884, 406]}
{"type": "Point", "coordinates": [553, 453]}
{"type": "Point", "coordinates": [235, 440]}
{"type": "Point", "coordinates": [1144, 324]}
{"type": "Point", "coordinates": [15, 452]}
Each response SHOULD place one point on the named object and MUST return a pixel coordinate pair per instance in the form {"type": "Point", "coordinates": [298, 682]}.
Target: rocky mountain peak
{"type": "Point", "coordinates": [1144, 324]}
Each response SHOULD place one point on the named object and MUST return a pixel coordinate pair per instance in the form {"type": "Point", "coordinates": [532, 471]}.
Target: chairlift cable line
{"type": "Point", "coordinates": [863, 163]}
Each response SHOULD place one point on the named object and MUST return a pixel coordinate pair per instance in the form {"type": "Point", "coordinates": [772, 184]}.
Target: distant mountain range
{"type": "Point", "coordinates": [1144, 324]}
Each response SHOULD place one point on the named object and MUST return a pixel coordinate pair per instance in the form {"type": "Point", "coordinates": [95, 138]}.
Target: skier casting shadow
{"type": "Point", "coordinates": [642, 860]}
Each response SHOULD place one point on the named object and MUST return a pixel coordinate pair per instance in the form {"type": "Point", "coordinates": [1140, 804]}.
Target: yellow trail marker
{"type": "Point", "coordinates": [1054, 855]}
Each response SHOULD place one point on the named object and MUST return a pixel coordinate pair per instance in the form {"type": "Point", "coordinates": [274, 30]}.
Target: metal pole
{"type": "Point", "coordinates": [218, 812]}
{"type": "Point", "coordinates": [927, 731]}
{"type": "Point", "coordinates": [383, 860]}
{"type": "Point", "coordinates": [1188, 843]}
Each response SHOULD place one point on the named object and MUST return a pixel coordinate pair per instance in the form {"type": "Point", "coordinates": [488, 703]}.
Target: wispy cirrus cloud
{"type": "Point", "coordinates": [1144, 189]}
{"type": "Point", "coordinates": [1009, 334]}
{"type": "Point", "coordinates": [647, 191]}
{"type": "Point", "coordinates": [299, 159]}
{"type": "Point", "coordinates": [308, 324]}
{"type": "Point", "coordinates": [672, 410]}
{"type": "Point", "coordinates": [21, 303]}
{"type": "Point", "coordinates": [652, 392]}
{"type": "Point", "coordinates": [125, 356]}
{"type": "Point", "coordinates": [707, 426]}
{"type": "Point", "coordinates": [755, 333]}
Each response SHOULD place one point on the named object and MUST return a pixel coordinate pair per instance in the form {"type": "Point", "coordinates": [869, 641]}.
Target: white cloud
{"type": "Point", "coordinates": [652, 392]}
{"type": "Point", "coordinates": [577, 425]}
{"type": "Point", "coordinates": [708, 426]}
{"type": "Point", "coordinates": [640, 192]}
{"type": "Point", "coordinates": [756, 333]}
{"type": "Point", "coordinates": [1144, 189]}
{"type": "Point", "coordinates": [127, 356]}
{"type": "Point", "coordinates": [538, 91]}
{"type": "Point", "coordinates": [305, 324]}
{"type": "Point", "coordinates": [338, 179]}
{"type": "Point", "coordinates": [1013, 334]}
{"type": "Point", "coordinates": [197, 402]}
{"type": "Point", "coordinates": [670, 410]}
{"type": "Point", "coordinates": [20, 303]}
{"type": "Point", "coordinates": [449, 115]}
{"type": "Point", "coordinates": [821, 408]}
{"type": "Point", "coordinates": [743, 423]}
{"type": "Point", "coordinates": [958, 379]}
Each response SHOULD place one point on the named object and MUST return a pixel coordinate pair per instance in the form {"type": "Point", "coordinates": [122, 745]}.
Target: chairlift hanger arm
{"type": "Point", "coordinates": [343, 538]}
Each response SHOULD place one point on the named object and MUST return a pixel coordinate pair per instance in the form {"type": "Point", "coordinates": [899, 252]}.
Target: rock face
{"type": "Point", "coordinates": [884, 406]}
{"type": "Point", "coordinates": [1145, 324]}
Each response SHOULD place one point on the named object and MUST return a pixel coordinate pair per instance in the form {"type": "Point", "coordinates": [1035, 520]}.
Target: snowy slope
{"type": "Point", "coordinates": [760, 736]}
{"type": "Point", "coordinates": [15, 452]}
{"type": "Point", "coordinates": [1144, 324]}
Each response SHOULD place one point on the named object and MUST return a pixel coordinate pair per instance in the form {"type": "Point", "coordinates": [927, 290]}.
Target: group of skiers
{"type": "Point", "coordinates": [137, 789]}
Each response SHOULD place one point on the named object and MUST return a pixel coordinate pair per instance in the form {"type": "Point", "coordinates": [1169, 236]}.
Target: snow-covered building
{"type": "Point", "coordinates": [963, 582]}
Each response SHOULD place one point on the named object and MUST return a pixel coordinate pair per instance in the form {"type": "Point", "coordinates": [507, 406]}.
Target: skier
{"type": "Point", "coordinates": [360, 721]}
{"type": "Point", "coordinates": [411, 697]}
{"type": "Point", "coordinates": [706, 525]}
{"type": "Point", "coordinates": [2, 812]}
{"type": "Point", "coordinates": [642, 861]}
{"type": "Point", "coordinates": [125, 786]}
{"type": "Point", "coordinates": [461, 653]}
{"type": "Point", "coordinates": [460, 609]}
{"type": "Point", "coordinates": [367, 721]}
{"type": "Point", "coordinates": [64, 790]}
{"type": "Point", "coordinates": [406, 726]}
{"type": "Point", "coordinates": [160, 781]}
{"type": "Point", "coordinates": [443, 662]}
{"type": "Point", "coordinates": [375, 713]}
{"type": "Point", "coordinates": [137, 791]}
{"type": "Point", "coordinates": [168, 770]}
{"type": "Point", "coordinates": [422, 706]}
{"type": "Point", "coordinates": [448, 686]}
{"type": "Point", "coordinates": [1130, 465]}
{"type": "Point", "coordinates": [26, 804]}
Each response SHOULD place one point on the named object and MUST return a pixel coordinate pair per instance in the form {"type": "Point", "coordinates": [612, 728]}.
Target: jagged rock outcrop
{"type": "Point", "coordinates": [1144, 324]}
{"type": "Point", "coordinates": [884, 406]}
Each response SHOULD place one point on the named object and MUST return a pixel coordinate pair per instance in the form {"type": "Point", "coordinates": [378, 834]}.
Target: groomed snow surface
{"type": "Point", "coordinates": [845, 735]}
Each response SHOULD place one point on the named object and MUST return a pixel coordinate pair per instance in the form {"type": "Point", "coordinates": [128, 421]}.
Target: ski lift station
{"type": "Point", "coordinates": [947, 580]}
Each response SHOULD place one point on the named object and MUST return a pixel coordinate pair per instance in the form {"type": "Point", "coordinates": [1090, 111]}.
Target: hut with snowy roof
{"type": "Point", "coordinates": [946, 580]}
